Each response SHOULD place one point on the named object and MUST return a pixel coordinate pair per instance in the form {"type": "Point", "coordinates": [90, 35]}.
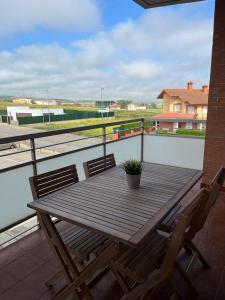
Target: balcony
{"type": "Point", "coordinates": [27, 263]}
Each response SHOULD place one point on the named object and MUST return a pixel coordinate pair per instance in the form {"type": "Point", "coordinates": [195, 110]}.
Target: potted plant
{"type": "Point", "coordinates": [133, 169]}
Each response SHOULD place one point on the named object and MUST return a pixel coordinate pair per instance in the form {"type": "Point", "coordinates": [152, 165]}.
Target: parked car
{"type": "Point", "coordinates": [7, 146]}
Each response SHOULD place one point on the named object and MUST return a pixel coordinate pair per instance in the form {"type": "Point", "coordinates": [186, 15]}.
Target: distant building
{"type": "Point", "coordinates": [115, 106]}
{"type": "Point", "coordinates": [104, 104]}
{"type": "Point", "coordinates": [22, 101]}
{"type": "Point", "coordinates": [183, 108]}
{"type": "Point", "coordinates": [141, 107]}
{"type": "Point", "coordinates": [24, 111]}
{"type": "Point", "coordinates": [48, 102]}
{"type": "Point", "coordinates": [133, 106]}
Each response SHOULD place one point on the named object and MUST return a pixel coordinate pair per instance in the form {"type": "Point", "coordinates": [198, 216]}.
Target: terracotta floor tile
{"type": "Point", "coordinates": [20, 292]}
{"type": "Point", "coordinates": [6, 280]}
{"type": "Point", "coordinates": [24, 266]}
{"type": "Point", "coordinates": [10, 254]}
{"type": "Point", "coordinates": [37, 278]}
{"type": "Point", "coordinates": [42, 251]}
{"type": "Point", "coordinates": [31, 241]}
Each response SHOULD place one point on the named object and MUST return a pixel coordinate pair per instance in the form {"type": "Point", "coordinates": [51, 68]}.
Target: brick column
{"type": "Point", "coordinates": [214, 155]}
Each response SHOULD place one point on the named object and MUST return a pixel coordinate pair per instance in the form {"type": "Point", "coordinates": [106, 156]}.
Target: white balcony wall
{"type": "Point", "coordinates": [125, 149]}
{"type": "Point", "coordinates": [187, 152]}
{"type": "Point", "coordinates": [76, 158]}
{"type": "Point", "coordinates": [176, 151]}
{"type": "Point", "coordinates": [15, 194]}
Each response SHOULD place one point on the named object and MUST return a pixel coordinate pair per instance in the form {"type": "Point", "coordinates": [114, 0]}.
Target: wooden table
{"type": "Point", "coordinates": [105, 204]}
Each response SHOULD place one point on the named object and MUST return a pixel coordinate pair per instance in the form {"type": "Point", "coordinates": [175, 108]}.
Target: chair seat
{"type": "Point", "coordinates": [81, 241]}
{"type": "Point", "coordinates": [168, 222]}
{"type": "Point", "coordinates": [138, 262]}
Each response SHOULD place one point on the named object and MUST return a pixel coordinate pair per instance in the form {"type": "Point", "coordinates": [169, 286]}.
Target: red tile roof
{"type": "Point", "coordinates": [193, 97]}
{"type": "Point", "coordinates": [175, 115]}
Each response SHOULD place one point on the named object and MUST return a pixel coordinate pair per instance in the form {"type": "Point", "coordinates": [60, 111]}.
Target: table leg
{"type": "Point", "coordinates": [100, 261]}
{"type": "Point", "coordinates": [64, 259]}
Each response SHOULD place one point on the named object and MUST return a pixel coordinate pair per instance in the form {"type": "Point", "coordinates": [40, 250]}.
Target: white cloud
{"type": "Point", "coordinates": [18, 16]}
{"type": "Point", "coordinates": [132, 60]}
{"type": "Point", "coordinates": [141, 70]}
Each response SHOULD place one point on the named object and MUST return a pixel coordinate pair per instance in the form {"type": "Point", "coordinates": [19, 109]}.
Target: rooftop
{"type": "Point", "coordinates": [190, 95]}
{"type": "Point", "coordinates": [174, 115]}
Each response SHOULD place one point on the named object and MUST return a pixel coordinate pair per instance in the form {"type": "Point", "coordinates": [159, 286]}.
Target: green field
{"type": "Point", "coordinates": [119, 116]}
{"type": "Point", "coordinates": [78, 123]}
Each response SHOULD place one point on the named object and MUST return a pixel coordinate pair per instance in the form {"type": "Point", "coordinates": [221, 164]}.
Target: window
{"type": "Point", "coordinates": [205, 110]}
{"type": "Point", "coordinates": [191, 109]}
{"type": "Point", "coordinates": [177, 107]}
{"type": "Point", "coordinates": [189, 125]}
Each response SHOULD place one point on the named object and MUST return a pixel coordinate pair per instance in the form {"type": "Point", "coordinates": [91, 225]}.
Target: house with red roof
{"type": "Point", "coordinates": [183, 108]}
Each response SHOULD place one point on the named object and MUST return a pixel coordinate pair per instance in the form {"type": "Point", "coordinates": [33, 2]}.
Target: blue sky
{"type": "Point", "coordinates": [73, 48]}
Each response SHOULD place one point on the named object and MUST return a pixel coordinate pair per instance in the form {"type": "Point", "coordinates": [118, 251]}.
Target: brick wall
{"type": "Point", "coordinates": [166, 125]}
{"type": "Point", "coordinates": [215, 134]}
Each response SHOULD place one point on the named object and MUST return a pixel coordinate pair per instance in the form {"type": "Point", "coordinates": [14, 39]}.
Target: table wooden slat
{"type": "Point", "coordinates": [105, 204]}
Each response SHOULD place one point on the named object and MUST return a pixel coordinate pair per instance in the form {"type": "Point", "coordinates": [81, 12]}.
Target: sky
{"type": "Point", "coordinates": [71, 49]}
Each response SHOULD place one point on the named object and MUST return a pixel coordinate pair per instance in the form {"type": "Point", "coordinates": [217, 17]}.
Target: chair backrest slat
{"type": "Point", "coordinates": [49, 182]}
{"type": "Point", "coordinates": [98, 165]}
{"type": "Point", "coordinates": [219, 178]}
{"type": "Point", "coordinates": [212, 195]}
{"type": "Point", "coordinates": [185, 221]}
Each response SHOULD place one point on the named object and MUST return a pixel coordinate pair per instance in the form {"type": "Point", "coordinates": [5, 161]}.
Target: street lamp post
{"type": "Point", "coordinates": [101, 101]}
{"type": "Point", "coordinates": [49, 117]}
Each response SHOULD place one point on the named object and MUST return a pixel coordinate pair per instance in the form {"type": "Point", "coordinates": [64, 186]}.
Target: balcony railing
{"type": "Point", "coordinates": [14, 184]}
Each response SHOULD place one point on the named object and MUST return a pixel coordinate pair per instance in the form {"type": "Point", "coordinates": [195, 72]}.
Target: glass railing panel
{"type": "Point", "coordinates": [77, 158]}
{"type": "Point", "coordinates": [125, 149]}
{"type": "Point", "coordinates": [15, 194]}
{"type": "Point", "coordinates": [187, 152]}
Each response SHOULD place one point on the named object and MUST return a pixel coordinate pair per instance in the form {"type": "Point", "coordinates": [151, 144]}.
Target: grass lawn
{"type": "Point", "coordinates": [78, 123]}
{"type": "Point", "coordinates": [119, 116]}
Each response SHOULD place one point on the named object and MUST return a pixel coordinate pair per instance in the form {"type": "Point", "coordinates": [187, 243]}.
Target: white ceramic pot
{"type": "Point", "coordinates": [133, 181]}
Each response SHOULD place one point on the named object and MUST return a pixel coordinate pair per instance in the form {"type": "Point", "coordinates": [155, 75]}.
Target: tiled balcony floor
{"type": "Point", "coordinates": [28, 263]}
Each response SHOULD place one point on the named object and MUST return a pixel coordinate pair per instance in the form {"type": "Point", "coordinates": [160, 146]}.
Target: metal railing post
{"type": "Point", "coordinates": [142, 139]}
{"type": "Point", "coordinates": [33, 156]}
{"type": "Point", "coordinates": [104, 140]}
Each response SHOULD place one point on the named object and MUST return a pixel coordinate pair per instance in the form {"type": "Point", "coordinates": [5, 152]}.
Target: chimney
{"type": "Point", "coordinates": [190, 86]}
{"type": "Point", "coordinates": [205, 89]}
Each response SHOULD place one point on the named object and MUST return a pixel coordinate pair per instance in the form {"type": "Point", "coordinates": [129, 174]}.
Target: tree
{"type": "Point", "coordinates": [123, 103]}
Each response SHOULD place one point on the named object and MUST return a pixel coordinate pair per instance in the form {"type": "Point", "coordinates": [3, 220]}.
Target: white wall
{"type": "Point", "coordinates": [125, 149]}
{"type": "Point", "coordinates": [184, 152]}
{"type": "Point", "coordinates": [13, 110]}
{"type": "Point", "coordinates": [15, 194]}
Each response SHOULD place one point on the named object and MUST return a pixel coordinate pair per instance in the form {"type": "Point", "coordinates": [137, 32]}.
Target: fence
{"type": "Point", "coordinates": [65, 117]}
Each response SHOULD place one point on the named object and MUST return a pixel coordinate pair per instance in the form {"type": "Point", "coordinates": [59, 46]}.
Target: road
{"type": "Point", "coordinates": [16, 157]}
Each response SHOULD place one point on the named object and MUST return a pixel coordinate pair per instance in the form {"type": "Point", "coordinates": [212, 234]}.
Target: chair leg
{"type": "Point", "coordinates": [188, 250]}
{"type": "Point", "coordinates": [187, 279]}
{"type": "Point", "coordinates": [119, 277]}
{"type": "Point", "coordinates": [52, 279]}
{"type": "Point", "coordinates": [147, 296]}
{"type": "Point", "coordinates": [191, 262]}
{"type": "Point", "coordinates": [200, 256]}
{"type": "Point", "coordinates": [173, 288]}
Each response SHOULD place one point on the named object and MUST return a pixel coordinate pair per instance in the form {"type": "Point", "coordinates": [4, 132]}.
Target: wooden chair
{"type": "Point", "coordinates": [190, 247]}
{"type": "Point", "coordinates": [79, 241]}
{"type": "Point", "coordinates": [168, 222]}
{"type": "Point", "coordinates": [213, 192]}
{"type": "Point", "coordinates": [153, 262]}
{"type": "Point", "coordinates": [98, 165]}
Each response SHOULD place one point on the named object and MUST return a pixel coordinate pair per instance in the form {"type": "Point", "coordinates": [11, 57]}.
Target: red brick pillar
{"type": "Point", "coordinates": [215, 135]}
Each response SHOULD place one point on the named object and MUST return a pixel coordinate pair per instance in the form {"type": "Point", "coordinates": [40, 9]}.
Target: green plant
{"type": "Point", "coordinates": [132, 166]}
{"type": "Point", "coordinates": [162, 131]}
{"type": "Point", "coordinates": [190, 132]}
